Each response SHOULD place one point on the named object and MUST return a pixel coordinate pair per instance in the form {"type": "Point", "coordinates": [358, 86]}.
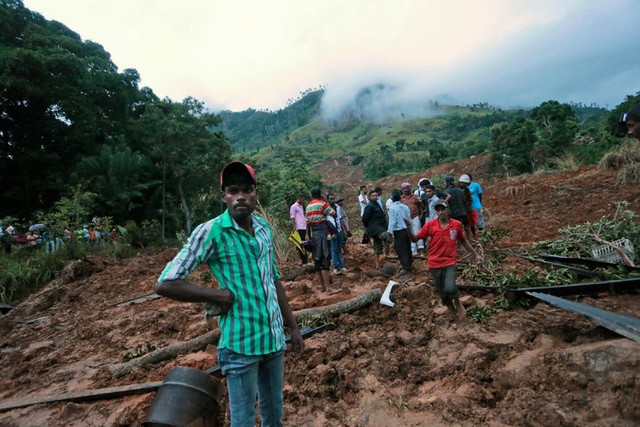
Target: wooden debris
{"type": "Point", "coordinates": [165, 353]}
{"type": "Point", "coordinates": [348, 306]}
{"type": "Point", "coordinates": [81, 396]}
{"type": "Point", "coordinates": [212, 337]}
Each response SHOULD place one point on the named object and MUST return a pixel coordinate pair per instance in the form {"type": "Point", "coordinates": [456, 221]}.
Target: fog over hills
{"type": "Point", "coordinates": [583, 60]}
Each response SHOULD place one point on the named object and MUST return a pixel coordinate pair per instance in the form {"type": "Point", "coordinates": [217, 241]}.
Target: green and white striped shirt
{"type": "Point", "coordinates": [245, 265]}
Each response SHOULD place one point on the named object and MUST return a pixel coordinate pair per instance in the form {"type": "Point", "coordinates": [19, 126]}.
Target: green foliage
{"type": "Point", "coordinates": [574, 241]}
{"type": "Point", "coordinates": [21, 275]}
{"type": "Point", "coordinates": [556, 126]}
{"type": "Point", "coordinates": [552, 138]}
{"type": "Point", "coordinates": [281, 182]}
{"type": "Point", "coordinates": [180, 140]}
{"type": "Point", "coordinates": [491, 236]}
{"type": "Point", "coordinates": [27, 268]}
{"type": "Point", "coordinates": [512, 145]}
{"type": "Point", "coordinates": [182, 237]}
{"type": "Point", "coordinates": [61, 98]}
{"type": "Point", "coordinates": [250, 129]}
{"type": "Point", "coordinates": [70, 212]}
{"type": "Point", "coordinates": [69, 117]}
{"type": "Point", "coordinates": [120, 176]}
{"type": "Point", "coordinates": [117, 250]}
{"type": "Point", "coordinates": [147, 233]}
{"type": "Point", "coordinates": [481, 312]}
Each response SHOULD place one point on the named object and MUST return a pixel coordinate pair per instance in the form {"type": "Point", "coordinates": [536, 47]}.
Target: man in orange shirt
{"type": "Point", "coordinates": [445, 233]}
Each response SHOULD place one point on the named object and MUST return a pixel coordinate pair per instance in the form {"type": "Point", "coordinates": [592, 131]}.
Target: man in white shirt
{"type": "Point", "coordinates": [399, 230]}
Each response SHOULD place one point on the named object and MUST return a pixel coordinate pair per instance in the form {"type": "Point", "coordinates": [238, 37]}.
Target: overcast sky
{"type": "Point", "coordinates": [237, 54]}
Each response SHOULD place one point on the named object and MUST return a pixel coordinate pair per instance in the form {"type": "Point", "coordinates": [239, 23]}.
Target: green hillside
{"type": "Point", "coordinates": [251, 129]}
{"type": "Point", "coordinates": [383, 149]}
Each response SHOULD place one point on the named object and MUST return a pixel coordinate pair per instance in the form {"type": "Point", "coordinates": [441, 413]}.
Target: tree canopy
{"type": "Point", "coordinates": [68, 116]}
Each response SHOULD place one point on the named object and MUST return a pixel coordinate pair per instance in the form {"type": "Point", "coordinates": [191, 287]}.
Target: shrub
{"type": "Point", "coordinates": [148, 232]}
{"type": "Point", "coordinates": [629, 174]}
{"type": "Point", "coordinates": [20, 274]}
{"type": "Point", "coordinates": [625, 155]}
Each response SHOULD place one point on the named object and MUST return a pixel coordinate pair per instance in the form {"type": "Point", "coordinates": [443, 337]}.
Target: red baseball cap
{"type": "Point", "coordinates": [237, 168]}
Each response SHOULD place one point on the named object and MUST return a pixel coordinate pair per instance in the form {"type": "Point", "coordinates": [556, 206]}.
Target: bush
{"type": "Point", "coordinates": [626, 155]}
{"type": "Point", "coordinates": [148, 232]}
{"type": "Point", "coordinates": [20, 276]}
{"type": "Point", "coordinates": [629, 174]}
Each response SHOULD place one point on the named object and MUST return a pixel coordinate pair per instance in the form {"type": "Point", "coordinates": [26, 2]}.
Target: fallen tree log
{"type": "Point", "coordinates": [165, 353]}
{"type": "Point", "coordinates": [296, 272]}
{"type": "Point", "coordinates": [347, 306]}
{"type": "Point", "coordinates": [212, 337]}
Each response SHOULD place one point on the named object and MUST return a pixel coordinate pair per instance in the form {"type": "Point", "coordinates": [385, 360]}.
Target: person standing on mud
{"type": "Point", "coordinates": [399, 230]}
{"type": "Point", "coordinates": [338, 237]}
{"type": "Point", "coordinates": [445, 233]}
{"type": "Point", "coordinates": [375, 223]}
{"type": "Point", "coordinates": [476, 201]}
{"type": "Point", "coordinates": [318, 228]}
{"type": "Point", "coordinates": [415, 207]}
{"type": "Point", "coordinates": [363, 200]}
{"type": "Point", "coordinates": [472, 215]}
{"type": "Point", "coordinates": [430, 198]}
{"type": "Point", "coordinates": [299, 223]}
{"type": "Point", "coordinates": [456, 199]}
{"type": "Point", "coordinates": [251, 302]}
{"type": "Point", "coordinates": [343, 219]}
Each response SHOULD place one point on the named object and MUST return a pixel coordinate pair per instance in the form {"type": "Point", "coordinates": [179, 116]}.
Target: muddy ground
{"type": "Point", "coordinates": [380, 366]}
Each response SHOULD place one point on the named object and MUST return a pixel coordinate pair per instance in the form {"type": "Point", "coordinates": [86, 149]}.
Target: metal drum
{"type": "Point", "coordinates": [185, 396]}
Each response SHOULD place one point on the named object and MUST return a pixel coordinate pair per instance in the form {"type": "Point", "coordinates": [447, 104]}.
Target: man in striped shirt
{"type": "Point", "coordinates": [318, 228]}
{"type": "Point", "coordinates": [252, 304]}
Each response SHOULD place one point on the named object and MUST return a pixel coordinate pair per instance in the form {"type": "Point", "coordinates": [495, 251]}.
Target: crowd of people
{"type": "Point", "coordinates": [251, 303]}
{"type": "Point", "coordinates": [415, 223]}
{"type": "Point", "coordinates": [39, 236]}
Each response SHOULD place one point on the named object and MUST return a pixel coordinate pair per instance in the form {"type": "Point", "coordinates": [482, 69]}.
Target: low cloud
{"type": "Point", "coordinates": [590, 57]}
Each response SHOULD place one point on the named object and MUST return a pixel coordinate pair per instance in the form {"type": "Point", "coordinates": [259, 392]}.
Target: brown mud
{"type": "Point", "coordinates": [408, 365]}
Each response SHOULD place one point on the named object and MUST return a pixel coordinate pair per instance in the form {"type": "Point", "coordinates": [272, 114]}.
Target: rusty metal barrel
{"type": "Point", "coordinates": [185, 396]}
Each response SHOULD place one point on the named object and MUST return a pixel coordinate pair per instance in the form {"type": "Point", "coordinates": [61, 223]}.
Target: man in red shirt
{"type": "Point", "coordinates": [445, 233]}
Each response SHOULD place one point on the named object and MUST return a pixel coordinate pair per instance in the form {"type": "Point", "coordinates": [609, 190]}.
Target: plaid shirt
{"type": "Point", "coordinates": [245, 265]}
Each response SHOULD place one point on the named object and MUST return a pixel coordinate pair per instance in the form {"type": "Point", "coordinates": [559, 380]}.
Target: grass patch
{"type": "Point", "coordinates": [26, 269]}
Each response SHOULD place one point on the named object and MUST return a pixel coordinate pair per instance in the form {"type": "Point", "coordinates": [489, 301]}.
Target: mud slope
{"type": "Point", "coordinates": [407, 365]}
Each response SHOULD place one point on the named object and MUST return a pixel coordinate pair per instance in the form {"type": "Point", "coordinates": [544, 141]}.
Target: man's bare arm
{"type": "Point", "coordinates": [287, 314]}
{"type": "Point", "coordinates": [181, 290]}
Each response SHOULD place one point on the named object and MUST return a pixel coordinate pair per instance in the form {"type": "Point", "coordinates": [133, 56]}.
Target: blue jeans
{"type": "Point", "coordinates": [250, 375]}
{"type": "Point", "coordinates": [336, 251]}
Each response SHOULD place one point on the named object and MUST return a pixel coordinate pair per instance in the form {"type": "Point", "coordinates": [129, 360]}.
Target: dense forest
{"type": "Point", "coordinates": [79, 138]}
{"type": "Point", "coordinates": [73, 128]}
